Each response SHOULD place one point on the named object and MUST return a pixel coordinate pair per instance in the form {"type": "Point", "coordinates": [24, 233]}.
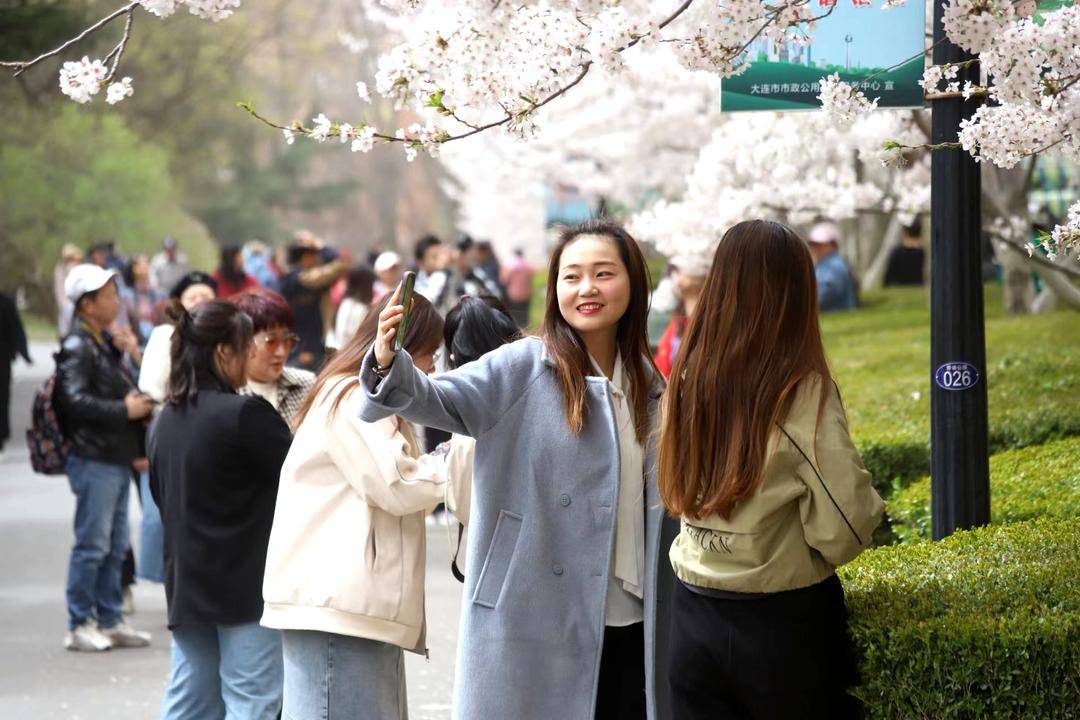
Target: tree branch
{"type": "Point", "coordinates": [118, 51]}
{"type": "Point", "coordinates": [475, 129]}
{"type": "Point", "coordinates": [22, 65]}
{"type": "Point", "coordinates": [1037, 258]}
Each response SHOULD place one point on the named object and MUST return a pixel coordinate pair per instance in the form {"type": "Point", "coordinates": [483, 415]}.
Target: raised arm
{"type": "Point", "coordinates": [467, 401]}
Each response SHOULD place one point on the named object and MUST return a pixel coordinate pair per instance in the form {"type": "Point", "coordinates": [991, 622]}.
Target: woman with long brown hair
{"type": "Point", "coordinates": [559, 618]}
{"type": "Point", "coordinates": [345, 567]}
{"type": "Point", "coordinates": [756, 459]}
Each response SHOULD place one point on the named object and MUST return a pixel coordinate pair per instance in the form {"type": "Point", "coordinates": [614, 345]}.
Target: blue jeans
{"type": "Point", "coordinates": [230, 672]}
{"type": "Point", "coordinates": [101, 540]}
{"type": "Point", "coordinates": [332, 676]}
{"type": "Point", "coordinates": [151, 564]}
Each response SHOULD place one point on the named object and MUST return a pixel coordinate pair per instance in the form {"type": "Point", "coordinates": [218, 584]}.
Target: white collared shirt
{"type": "Point", "coordinates": [627, 576]}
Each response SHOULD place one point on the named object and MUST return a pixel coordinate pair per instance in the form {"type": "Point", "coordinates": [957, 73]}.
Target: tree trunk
{"type": "Point", "coordinates": [874, 277]}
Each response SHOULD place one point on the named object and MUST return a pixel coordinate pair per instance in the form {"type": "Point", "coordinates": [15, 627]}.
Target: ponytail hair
{"type": "Point", "coordinates": [197, 334]}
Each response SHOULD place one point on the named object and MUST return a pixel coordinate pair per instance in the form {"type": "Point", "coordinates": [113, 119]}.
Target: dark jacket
{"type": "Point", "coordinates": [12, 334]}
{"type": "Point", "coordinates": [91, 382]}
{"type": "Point", "coordinates": [214, 466]}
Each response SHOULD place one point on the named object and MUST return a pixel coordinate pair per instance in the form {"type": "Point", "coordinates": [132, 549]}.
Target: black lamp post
{"type": "Point", "coordinates": [960, 485]}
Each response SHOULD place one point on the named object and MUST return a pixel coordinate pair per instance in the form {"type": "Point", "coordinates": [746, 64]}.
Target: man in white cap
{"type": "Point", "coordinates": [388, 271]}
{"type": "Point", "coordinates": [103, 416]}
{"type": "Point", "coordinates": [835, 283]}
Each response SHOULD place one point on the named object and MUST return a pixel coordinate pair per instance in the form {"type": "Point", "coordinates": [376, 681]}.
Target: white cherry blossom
{"type": "Point", "coordinates": [80, 80]}
{"type": "Point", "coordinates": [117, 91]}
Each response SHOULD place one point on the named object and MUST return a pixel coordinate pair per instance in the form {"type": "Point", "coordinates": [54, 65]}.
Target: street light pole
{"type": "Point", "coordinates": [959, 464]}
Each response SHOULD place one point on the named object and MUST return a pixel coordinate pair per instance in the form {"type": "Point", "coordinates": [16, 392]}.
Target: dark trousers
{"type": "Point", "coordinates": [5, 401]}
{"type": "Point", "coordinates": [785, 655]}
{"type": "Point", "coordinates": [621, 692]}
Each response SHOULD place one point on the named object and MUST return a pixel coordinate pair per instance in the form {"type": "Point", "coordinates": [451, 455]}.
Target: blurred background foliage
{"type": "Point", "coordinates": [179, 158]}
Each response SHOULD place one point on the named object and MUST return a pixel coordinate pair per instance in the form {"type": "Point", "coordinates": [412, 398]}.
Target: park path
{"type": "Point", "coordinates": [39, 680]}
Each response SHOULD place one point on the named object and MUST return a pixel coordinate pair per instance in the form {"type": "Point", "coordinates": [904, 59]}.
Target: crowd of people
{"type": "Point", "coordinates": [637, 536]}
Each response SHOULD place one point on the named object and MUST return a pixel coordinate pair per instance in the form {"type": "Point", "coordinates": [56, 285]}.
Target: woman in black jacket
{"type": "Point", "coordinates": [215, 457]}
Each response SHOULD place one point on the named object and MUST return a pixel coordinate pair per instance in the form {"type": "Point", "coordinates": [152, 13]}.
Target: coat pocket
{"type": "Point", "coordinates": [497, 563]}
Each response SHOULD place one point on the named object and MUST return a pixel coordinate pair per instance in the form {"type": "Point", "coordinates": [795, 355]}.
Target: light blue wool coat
{"type": "Point", "coordinates": [542, 532]}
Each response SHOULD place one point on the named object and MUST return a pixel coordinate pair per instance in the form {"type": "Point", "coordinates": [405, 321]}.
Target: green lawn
{"type": "Point", "coordinates": [880, 356]}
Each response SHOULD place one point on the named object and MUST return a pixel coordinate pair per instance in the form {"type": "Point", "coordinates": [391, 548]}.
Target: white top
{"type": "Point", "coordinates": [624, 597]}
{"type": "Point", "coordinates": [157, 363]}
{"type": "Point", "coordinates": [267, 391]}
{"type": "Point", "coordinates": [350, 314]}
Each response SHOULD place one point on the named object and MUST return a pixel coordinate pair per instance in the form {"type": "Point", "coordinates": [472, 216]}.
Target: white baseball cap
{"type": "Point", "coordinates": [824, 233]}
{"type": "Point", "coordinates": [386, 260]}
{"type": "Point", "coordinates": [86, 278]}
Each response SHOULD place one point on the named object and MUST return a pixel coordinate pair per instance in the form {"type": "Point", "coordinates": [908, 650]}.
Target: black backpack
{"type": "Point", "coordinates": [49, 448]}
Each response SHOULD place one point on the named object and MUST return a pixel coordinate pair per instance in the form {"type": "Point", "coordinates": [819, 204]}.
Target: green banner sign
{"type": "Point", "coordinates": [868, 47]}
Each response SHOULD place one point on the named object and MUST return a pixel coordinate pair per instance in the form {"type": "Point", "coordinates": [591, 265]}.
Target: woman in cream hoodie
{"type": "Point", "coordinates": [345, 567]}
{"type": "Point", "coordinates": [756, 459]}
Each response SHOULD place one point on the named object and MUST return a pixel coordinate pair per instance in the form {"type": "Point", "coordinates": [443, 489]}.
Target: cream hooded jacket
{"type": "Point", "coordinates": [346, 552]}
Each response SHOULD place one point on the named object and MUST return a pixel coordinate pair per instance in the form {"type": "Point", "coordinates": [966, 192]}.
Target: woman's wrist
{"type": "Point", "coordinates": [383, 370]}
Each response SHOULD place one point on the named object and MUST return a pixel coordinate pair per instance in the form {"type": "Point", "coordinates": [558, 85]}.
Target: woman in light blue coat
{"type": "Point", "coordinates": [563, 613]}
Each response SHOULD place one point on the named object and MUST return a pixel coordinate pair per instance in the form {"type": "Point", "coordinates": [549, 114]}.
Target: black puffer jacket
{"type": "Point", "coordinates": [90, 387]}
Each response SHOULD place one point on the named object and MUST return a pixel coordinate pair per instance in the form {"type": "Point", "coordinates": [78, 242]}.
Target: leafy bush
{"type": "Point", "coordinates": [1024, 484]}
{"type": "Point", "coordinates": [881, 358]}
{"type": "Point", "coordinates": [984, 624]}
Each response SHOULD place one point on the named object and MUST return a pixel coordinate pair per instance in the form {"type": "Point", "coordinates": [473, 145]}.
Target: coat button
{"type": "Point", "coordinates": [557, 569]}
{"type": "Point", "coordinates": [564, 500]}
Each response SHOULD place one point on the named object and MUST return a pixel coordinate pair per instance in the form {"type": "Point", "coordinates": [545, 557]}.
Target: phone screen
{"type": "Point", "coordinates": [407, 284]}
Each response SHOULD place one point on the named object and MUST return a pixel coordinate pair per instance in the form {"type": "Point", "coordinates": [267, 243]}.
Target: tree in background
{"type": "Point", "coordinates": [52, 178]}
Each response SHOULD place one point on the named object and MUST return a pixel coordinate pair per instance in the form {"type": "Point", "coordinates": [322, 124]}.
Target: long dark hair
{"type": "Point", "coordinates": [475, 326]}
{"type": "Point", "coordinates": [424, 335]}
{"type": "Point", "coordinates": [752, 340]}
{"type": "Point", "coordinates": [567, 349]}
{"type": "Point", "coordinates": [197, 335]}
{"type": "Point", "coordinates": [360, 284]}
{"type": "Point", "coordinates": [228, 268]}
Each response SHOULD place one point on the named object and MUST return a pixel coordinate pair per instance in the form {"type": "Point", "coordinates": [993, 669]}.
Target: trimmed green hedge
{"type": "Point", "coordinates": [880, 355]}
{"type": "Point", "coordinates": [984, 624]}
{"type": "Point", "coordinates": [1042, 480]}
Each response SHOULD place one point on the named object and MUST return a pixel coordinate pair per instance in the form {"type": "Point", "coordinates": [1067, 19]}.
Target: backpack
{"type": "Point", "coordinates": [49, 448]}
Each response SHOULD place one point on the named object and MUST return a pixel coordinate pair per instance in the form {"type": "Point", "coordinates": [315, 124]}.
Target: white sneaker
{"type": "Point", "coordinates": [128, 607]}
{"type": "Point", "coordinates": [87, 638]}
{"type": "Point", "coordinates": [123, 635]}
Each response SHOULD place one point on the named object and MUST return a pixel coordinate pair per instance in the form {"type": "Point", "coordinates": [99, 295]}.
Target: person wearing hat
{"type": "Point", "coordinates": [168, 267]}
{"type": "Point", "coordinates": [315, 269]}
{"type": "Point", "coordinates": [388, 272]}
{"type": "Point", "coordinates": [688, 280]}
{"type": "Point", "coordinates": [103, 416]}
{"type": "Point", "coordinates": [835, 283]}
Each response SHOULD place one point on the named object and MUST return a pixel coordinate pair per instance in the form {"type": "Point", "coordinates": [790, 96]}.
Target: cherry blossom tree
{"type": "Point", "coordinates": [472, 66]}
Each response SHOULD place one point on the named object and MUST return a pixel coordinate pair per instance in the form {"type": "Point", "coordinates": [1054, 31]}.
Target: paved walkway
{"type": "Point", "coordinates": [39, 680]}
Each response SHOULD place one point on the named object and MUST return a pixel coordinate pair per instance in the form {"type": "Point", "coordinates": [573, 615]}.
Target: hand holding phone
{"type": "Point", "coordinates": [393, 320]}
{"type": "Point", "coordinates": [408, 283]}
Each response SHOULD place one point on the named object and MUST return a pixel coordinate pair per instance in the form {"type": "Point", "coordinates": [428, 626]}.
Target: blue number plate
{"type": "Point", "coordinates": [956, 376]}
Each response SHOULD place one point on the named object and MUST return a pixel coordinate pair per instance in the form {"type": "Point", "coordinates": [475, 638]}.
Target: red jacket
{"type": "Point", "coordinates": [227, 289]}
{"type": "Point", "coordinates": [668, 346]}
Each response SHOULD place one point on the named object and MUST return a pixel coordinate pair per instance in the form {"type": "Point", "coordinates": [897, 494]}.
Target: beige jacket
{"type": "Point", "coordinates": [814, 511]}
{"type": "Point", "coordinates": [346, 552]}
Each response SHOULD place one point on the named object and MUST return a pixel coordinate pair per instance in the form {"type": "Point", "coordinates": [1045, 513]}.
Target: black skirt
{"type": "Point", "coordinates": [762, 657]}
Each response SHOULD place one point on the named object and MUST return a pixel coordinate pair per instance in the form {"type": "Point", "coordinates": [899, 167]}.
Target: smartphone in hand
{"type": "Point", "coordinates": [408, 282]}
